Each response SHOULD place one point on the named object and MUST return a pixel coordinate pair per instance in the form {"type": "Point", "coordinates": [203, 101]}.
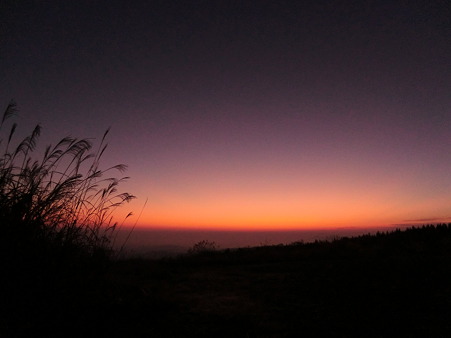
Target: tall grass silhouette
{"type": "Point", "coordinates": [63, 200]}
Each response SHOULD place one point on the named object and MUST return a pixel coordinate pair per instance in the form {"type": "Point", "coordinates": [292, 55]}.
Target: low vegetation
{"type": "Point", "coordinates": [203, 247]}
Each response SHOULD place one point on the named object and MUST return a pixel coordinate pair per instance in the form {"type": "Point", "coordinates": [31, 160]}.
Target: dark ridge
{"type": "Point", "coordinates": [387, 284]}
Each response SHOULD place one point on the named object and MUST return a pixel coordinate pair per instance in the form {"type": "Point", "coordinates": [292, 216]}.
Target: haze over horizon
{"type": "Point", "coordinates": [247, 115]}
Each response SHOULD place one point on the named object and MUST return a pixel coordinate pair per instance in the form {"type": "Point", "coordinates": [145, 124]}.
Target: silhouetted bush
{"type": "Point", "coordinates": [204, 246]}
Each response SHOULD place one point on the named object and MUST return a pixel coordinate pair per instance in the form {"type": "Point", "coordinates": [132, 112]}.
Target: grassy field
{"type": "Point", "coordinates": [394, 284]}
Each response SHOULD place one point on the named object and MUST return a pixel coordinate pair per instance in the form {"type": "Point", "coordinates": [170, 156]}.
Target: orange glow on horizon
{"type": "Point", "coordinates": [268, 220]}
{"type": "Point", "coordinates": [237, 216]}
{"type": "Point", "coordinates": [223, 200]}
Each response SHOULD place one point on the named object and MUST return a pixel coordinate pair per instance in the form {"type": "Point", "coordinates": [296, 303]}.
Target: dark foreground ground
{"type": "Point", "coordinates": [385, 285]}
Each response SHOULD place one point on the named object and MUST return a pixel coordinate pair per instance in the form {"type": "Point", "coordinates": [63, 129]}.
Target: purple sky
{"type": "Point", "coordinates": [235, 114]}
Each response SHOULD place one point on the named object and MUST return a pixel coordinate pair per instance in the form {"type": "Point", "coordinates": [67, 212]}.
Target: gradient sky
{"type": "Point", "coordinates": [247, 114]}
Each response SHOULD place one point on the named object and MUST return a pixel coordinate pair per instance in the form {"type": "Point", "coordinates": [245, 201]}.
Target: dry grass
{"type": "Point", "coordinates": [56, 226]}
{"type": "Point", "coordinates": [64, 198]}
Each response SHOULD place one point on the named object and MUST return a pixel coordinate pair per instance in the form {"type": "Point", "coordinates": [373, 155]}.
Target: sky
{"type": "Point", "coordinates": [246, 115]}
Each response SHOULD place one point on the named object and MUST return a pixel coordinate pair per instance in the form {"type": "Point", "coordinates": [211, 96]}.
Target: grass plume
{"type": "Point", "coordinates": [63, 199]}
